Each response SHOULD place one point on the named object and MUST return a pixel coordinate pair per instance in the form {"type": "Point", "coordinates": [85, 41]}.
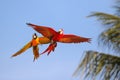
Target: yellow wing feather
{"type": "Point", "coordinates": [27, 46]}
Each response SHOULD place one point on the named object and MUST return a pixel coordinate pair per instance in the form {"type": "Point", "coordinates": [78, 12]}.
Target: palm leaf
{"type": "Point", "coordinates": [100, 65]}
{"type": "Point", "coordinates": [117, 7]}
{"type": "Point", "coordinates": [107, 19]}
{"type": "Point", "coordinates": [111, 36]}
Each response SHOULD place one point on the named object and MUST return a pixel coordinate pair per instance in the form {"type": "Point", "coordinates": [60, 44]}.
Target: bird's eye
{"type": "Point", "coordinates": [34, 37]}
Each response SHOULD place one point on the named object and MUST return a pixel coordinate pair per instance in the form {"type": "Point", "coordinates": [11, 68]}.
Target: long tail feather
{"type": "Point", "coordinates": [50, 48]}
{"type": "Point", "coordinates": [36, 52]}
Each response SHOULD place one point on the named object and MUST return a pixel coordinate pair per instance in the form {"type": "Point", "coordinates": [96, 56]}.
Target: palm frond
{"type": "Point", "coordinates": [97, 65]}
{"type": "Point", "coordinates": [106, 19]}
{"type": "Point", "coordinates": [117, 7]}
{"type": "Point", "coordinates": [111, 36]}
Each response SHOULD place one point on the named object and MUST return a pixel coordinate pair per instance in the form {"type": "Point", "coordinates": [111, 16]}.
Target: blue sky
{"type": "Point", "coordinates": [67, 14]}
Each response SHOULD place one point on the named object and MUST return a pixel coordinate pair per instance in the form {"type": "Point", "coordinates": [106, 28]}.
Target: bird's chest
{"type": "Point", "coordinates": [57, 37]}
{"type": "Point", "coordinates": [35, 42]}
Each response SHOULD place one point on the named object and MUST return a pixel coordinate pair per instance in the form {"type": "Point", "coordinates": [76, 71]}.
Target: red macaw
{"type": "Point", "coordinates": [33, 43]}
{"type": "Point", "coordinates": [55, 36]}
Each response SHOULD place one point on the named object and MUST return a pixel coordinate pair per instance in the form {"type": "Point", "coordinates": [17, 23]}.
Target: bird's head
{"type": "Point", "coordinates": [34, 36]}
{"type": "Point", "coordinates": [60, 31]}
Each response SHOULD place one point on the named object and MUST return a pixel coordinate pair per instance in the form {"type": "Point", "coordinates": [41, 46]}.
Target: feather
{"type": "Point", "coordinates": [69, 38]}
{"type": "Point", "coordinates": [35, 52]}
{"type": "Point", "coordinates": [45, 31]}
{"type": "Point", "coordinates": [50, 48]}
{"type": "Point", "coordinates": [27, 46]}
{"type": "Point", "coordinates": [44, 40]}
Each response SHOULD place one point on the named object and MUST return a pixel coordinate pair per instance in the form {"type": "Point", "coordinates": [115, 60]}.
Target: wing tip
{"type": "Point", "coordinates": [28, 23]}
{"type": "Point", "coordinates": [13, 55]}
{"type": "Point", "coordinates": [89, 40]}
{"type": "Point", "coordinates": [31, 25]}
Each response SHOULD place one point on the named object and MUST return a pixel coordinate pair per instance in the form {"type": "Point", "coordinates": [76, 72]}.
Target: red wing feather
{"type": "Point", "coordinates": [73, 39]}
{"type": "Point", "coordinates": [45, 31]}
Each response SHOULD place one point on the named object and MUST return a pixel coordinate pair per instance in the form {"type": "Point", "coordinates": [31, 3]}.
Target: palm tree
{"type": "Point", "coordinates": [102, 66]}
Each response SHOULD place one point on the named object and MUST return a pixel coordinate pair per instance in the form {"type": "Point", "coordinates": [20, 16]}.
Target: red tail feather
{"type": "Point", "coordinates": [49, 49]}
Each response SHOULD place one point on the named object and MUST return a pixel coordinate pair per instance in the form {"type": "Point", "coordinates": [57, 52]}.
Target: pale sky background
{"type": "Point", "coordinates": [67, 14]}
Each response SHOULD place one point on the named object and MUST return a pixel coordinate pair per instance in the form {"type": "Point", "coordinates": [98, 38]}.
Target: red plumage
{"type": "Point", "coordinates": [57, 36]}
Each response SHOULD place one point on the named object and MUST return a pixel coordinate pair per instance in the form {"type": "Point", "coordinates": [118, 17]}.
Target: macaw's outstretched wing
{"type": "Point", "coordinates": [27, 46]}
{"type": "Point", "coordinates": [69, 38]}
{"type": "Point", "coordinates": [45, 31]}
{"type": "Point", "coordinates": [35, 52]}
